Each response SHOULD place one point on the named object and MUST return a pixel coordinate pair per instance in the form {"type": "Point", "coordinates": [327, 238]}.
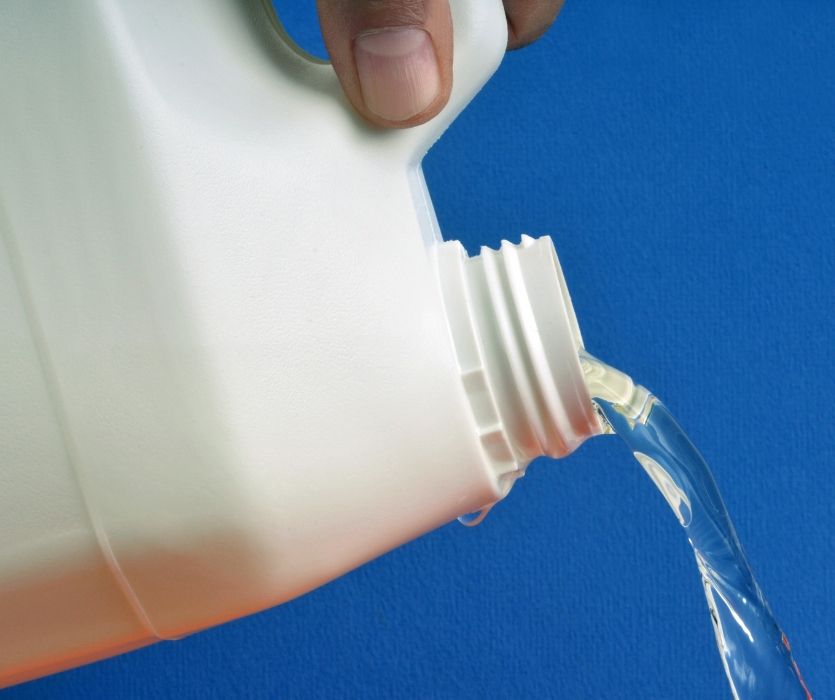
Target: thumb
{"type": "Point", "coordinates": [393, 57]}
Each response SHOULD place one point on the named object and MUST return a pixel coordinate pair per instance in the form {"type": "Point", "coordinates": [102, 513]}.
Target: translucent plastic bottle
{"type": "Point", "coordinates": [236, 359]}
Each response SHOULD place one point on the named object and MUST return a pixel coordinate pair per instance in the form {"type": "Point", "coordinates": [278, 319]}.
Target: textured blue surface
{"type": "Point", "coordinates": [682, 155]}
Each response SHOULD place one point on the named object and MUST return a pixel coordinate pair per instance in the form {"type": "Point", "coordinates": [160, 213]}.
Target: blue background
{"type": "Point", "coordinates": [682, 156]}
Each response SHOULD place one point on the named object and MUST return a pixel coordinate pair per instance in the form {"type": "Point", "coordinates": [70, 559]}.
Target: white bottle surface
{"type": "Point", "coordinates": [236, 360]}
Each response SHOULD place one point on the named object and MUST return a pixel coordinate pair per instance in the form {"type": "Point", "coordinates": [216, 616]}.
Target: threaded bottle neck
{"type": "Point", "coordinates": [517, 342]}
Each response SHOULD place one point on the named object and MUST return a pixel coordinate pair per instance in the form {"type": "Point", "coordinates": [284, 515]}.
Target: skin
{"type": "Point", "coordinates": [344, 21]}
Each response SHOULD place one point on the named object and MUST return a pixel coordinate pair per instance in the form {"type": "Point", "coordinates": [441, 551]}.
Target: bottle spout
{"type": "Point", "coordinates": [518, 347]}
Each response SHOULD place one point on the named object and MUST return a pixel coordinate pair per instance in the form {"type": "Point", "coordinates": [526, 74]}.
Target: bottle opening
{"type": "Point", "coordinates": [517, 342]}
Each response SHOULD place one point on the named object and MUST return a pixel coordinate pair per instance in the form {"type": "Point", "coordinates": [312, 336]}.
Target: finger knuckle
{"type": "Point", "coordinates": [397, 12]}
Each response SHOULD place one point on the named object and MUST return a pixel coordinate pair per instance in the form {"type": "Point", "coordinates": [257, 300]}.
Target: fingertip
{"type": "Point", "coordinates": [528, 20]}
{"type": "Point", "coordinates": [394, 60]}
{"type": "Point", "coordinates": [399, 76]}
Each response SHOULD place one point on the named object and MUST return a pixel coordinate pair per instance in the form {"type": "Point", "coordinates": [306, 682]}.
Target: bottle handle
{"type": "Point", "coordinates": [480, 39]}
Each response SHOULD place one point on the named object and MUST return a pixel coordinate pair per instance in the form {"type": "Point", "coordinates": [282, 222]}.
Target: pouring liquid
{"type": "Point", "coordinates": [755, 652]}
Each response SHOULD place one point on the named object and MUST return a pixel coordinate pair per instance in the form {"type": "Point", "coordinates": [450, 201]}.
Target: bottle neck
{"type": "Point", "coordinates": [517, 342]}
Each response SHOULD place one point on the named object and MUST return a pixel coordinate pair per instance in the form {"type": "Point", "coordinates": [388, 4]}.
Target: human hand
{"type": "Point", "coordinates": [394, 57]}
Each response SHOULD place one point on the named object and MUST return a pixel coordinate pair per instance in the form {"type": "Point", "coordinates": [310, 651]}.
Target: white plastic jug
{"type": "Point", "coordinates": [236, 359]}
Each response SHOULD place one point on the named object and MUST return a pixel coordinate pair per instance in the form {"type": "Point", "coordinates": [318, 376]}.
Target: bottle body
{"type": "Point", "coordinates": [226, 357]}
{"type": "Point", "coordinates": [227, 381]}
